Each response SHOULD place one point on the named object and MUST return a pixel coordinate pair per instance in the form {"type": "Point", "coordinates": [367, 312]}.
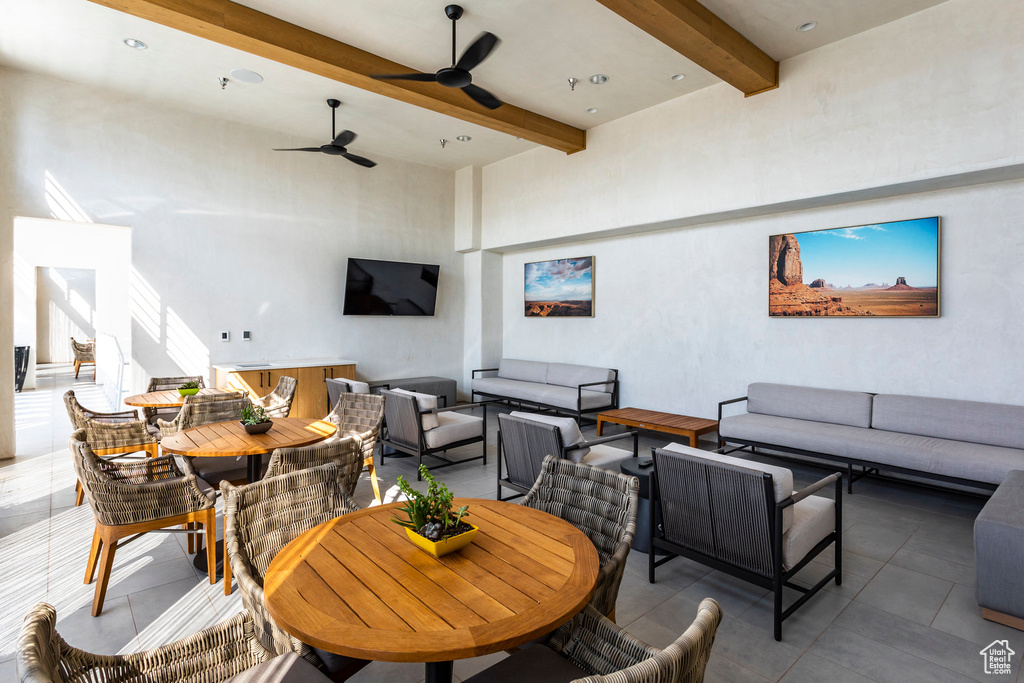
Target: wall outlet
{"type": "Point", "coordinates": [225, 336]}
{"type": "Point", "coordinates": [246, 335]}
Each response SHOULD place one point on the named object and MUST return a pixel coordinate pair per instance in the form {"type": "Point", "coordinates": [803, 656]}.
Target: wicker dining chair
{"type": "Point", "coordinates": [85, 354]}
{"type": "Point", "coordinates": [600, 503]}
{"type": "Point", "coordinates": [260, 519]}
{"type": "Point", "coordinates": [229, 649]}
{"type": "Point", "coordinates": [591, 649]}
{"type": "Point", "coordinates": [125, 440]}
{"type": "Point", "coordinates": [167, 384]}
{"type": "Point", "coordinates": [131, 498]}
{"type": "Point", "coordinates": [346, 453]}
{"type": "Point", "coordinates": [278, 403]}
{"type": "Point", "coordinates": [360, 416]}
{"type": "Point", "coordinates": [204, 409]}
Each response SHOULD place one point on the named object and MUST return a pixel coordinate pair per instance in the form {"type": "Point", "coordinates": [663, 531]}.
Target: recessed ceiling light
{"type": "Point", "coordinates": [810, 25]}
{"type": "Point", "coordinates": [591, 111]}
{"type": "Point", "coordinates": [246, 76]}
{"type": "Point", "coordinates": [134, 43]}
{"type": "Point", "coordinates": [678, 77]}
{"type": "Point", "coordinates": [598, 79]}
{"type": "Point", "coordinates": [463, 138]}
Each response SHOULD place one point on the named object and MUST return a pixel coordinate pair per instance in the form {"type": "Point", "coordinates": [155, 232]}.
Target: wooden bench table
{"type": "Point", "coordinates": [668, 423]}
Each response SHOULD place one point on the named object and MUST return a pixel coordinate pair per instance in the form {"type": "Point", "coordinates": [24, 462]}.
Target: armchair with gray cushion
{"type": "Point", "coordinates": [600, 503]}
{"type": "Point", "coordinates": [359, 415]}
{"type": "Point", "coordinates": [228, 650]}
{"type": "Point", "coordinates": [743, 518]}
{"type": "Point", "coordinates": [416, 426]}
{"type": "Point", "coordinates": [591, 649]}
{"type": "Point", "coordinates": [525, 438]}
{"type": "Point", "coordinates": [278, 403]}
{"type": "Point", "coordinates": [131, 498]}
{"type": "Point", "coordinates": [260, 519]}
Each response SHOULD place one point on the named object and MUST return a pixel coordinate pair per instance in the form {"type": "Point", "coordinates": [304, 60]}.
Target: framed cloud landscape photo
{"type": "Point", "coordinates": [560, 289]}
{"type": "Point", "coordinates": [883, 269]}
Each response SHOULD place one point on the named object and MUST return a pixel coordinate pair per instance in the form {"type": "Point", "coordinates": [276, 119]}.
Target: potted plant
{"type": "Point", "coordinates": [190, 388]}
{"type": "Point", "coordinates": [433, 524]}
{"type": "Point", "coordinates": [255, 420]}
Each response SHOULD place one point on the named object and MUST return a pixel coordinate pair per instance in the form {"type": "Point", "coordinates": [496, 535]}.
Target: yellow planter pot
{"type": "Point", "coordinates": [448, 545]}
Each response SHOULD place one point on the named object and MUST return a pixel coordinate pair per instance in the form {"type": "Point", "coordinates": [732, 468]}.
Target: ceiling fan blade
{"type": "Point", "coordinates": [362, 161]}
{"type": "Point", "coordinates": [478, 51]}
{"type": "Point", "coordinates": [482, 96]}
{"type": "Point", "coordinates": [405, 77]}
{"type": "Point", "coordinates": [299, 149]}
{"type": "Point", "coordinates": [344, 137]}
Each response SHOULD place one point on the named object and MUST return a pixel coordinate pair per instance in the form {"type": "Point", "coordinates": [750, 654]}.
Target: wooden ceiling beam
{"type": "Point", "coordinates": [242, 28]}
{"type": "Point", "coordinates": [698, 34]}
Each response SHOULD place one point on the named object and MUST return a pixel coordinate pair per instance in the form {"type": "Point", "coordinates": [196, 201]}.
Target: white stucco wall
{"type": "Point", "coordinates": [227, 234]}
{"type": "Point", "coordinates": [683, 313]}
{"type": "Point", "coordinates": [931, 95]}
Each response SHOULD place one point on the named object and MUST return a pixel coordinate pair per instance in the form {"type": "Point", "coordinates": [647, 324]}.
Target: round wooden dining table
{"type": "Point", "coordinates": [169, 398]}
{"type": "Point", "coordinates": [230, 438]}
{"type": "Point", "coordinates": [358, 587]}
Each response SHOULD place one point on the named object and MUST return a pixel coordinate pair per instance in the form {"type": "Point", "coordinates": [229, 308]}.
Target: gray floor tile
{"type": "Point", "coordinates": [733, 595]}
{"type": "Point", "coordinates": [959, 616]}
{"type": "Point", "coordinates": [389, 672]}
{"type": "Point", "coordinates": [637, 596]}
{"type": "Point", "coordinates": [466, 668]}
{"type": "Point", "coordinates": [811, 668]}
{"type": "Point", "coordinates": [943, 649]}
{"type": "Point", "coordinates": [170, 612]}
{"type": "Point", "coordinates": [878, 661]}
{"type": "Point", "coordinates": [877, 540]}
{"type": "Point", "coordinates": [933, 566]}
{"type": "Point", "coordinates": [815, 571]}
{"type": "Point", "coordinates": [756, 649]}
{"type": "Point", "coordinates": [106, 634]}
{"type": "Point", "coordinates": [722, 670]}
{"type": "Point", "coordinates": [804, 625]}
{"type": "Point", "coordinates": [906, 593]}
{"type": "Point", "coordinates": [9, 670]}
{"type": "Point", "coordinates": [651, 632]}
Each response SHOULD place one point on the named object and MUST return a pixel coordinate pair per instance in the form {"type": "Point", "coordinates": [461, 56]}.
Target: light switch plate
{"type": "Point", "coordinates": [246, 335]}
{"type": "Point", "coordinates": [225, 336]}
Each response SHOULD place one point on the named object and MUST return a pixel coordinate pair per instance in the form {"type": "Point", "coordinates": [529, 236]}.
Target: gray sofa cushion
{"type": "Point", "coordinates": [562, 397]}
{"type": "Point", "coordinates": [523, 370]}
{"type": "Point", "coordinates": [975, 462]}
{"type": "Point", "coordinates": [994, 424]}
{"type": "Point", "coordinates": [566, 375]}
{"type": "Point", "coordinates": [452, 427]}
{"type": "Point", "coordinates": [851, 408]}
{"type": "Point", "coordinates": [999, 548]}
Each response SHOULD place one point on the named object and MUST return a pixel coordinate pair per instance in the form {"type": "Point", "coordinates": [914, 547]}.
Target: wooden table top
{"type": "Point", "coordinates": [230, 438]}
{"type": "Point", "coordinates": [166, 399]}
{"type": "Point", "coordinates": [357, 586]}
{"type": "Point", "coordinates": [652, 419]}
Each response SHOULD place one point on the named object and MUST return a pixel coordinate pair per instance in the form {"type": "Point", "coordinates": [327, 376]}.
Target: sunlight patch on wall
{"type": "Point", "coordinates": [62, 206]}
{"type": "Point", "coordinates": [145, 305]}
{"type": "Point", "coordinates": [184, 347]}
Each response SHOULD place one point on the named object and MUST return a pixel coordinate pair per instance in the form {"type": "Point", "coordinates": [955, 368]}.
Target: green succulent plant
{"type": "Point", "coordinates": [254, 415]}
{"type": "Point", "coordinates": [191, 384]}
{"type": "Point", "coordinates": [432, 509]}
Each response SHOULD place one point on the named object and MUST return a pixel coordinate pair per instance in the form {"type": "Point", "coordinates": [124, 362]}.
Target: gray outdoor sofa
{"type": "Point", "coordinates": [574, 389]}
{"type": "Point", "coordinates": [960, 442]}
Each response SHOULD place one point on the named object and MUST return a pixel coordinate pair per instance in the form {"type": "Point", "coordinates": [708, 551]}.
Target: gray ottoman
{"type": "Point", "coordinates": [999, 552]}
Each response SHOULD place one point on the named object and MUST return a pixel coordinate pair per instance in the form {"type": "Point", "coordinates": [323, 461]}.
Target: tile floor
{"type": "Point", "coordinates": [905, 611]}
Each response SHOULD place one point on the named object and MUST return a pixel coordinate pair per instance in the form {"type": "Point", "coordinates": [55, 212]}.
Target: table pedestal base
{"type": "Point", "coordinates": [200, 563]}
{"type": "Point", "coordinates": [439, 672]}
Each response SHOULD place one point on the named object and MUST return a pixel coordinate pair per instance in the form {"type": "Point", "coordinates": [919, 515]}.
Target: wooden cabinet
{"type": "Point", "coordinates": [310, 393]}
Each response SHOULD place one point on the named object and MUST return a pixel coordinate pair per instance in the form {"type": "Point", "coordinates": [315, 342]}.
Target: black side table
{"type": "Point", "coordinates": [641, 539]}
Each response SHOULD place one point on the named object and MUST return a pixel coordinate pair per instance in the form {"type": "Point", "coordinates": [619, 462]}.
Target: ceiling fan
{"type": "Point", "coordinates": [457, 75]}
{"type": "Point", "coordinates": [337, 146]}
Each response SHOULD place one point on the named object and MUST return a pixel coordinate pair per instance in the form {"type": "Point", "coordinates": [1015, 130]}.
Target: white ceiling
{"type": "Point", "coordinates": [544, 43]}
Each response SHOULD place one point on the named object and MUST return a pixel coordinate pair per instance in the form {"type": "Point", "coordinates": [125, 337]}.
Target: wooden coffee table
{"type": "Point", "coordinates": [358, 587]}
{"type": "Point", "coordinates": [669, 423]}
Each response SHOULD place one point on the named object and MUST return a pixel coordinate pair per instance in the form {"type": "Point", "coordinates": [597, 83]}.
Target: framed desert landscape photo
{"type": "Point", "coordinates": [560, 289]}
{"type": "Point", "coordinates": [879, 270]}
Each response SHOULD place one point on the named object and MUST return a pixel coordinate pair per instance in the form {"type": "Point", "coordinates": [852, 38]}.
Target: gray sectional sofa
{"type": "Point", "coordinates": [960, 442]}
{"type": "Point", "coordinates": [575, 389]}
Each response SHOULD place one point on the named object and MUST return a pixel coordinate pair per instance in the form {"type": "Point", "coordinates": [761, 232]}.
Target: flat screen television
{"type": "Point", "coordinates": [390, 288]}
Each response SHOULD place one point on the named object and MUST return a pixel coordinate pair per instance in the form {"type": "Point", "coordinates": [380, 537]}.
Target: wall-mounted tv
{"type": "Point", "coordinates": [390, 288]}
